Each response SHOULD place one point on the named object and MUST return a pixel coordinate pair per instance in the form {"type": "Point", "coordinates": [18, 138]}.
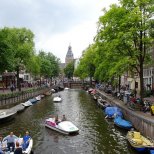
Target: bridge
{"type": "Point", "coordinates": [76, 84]}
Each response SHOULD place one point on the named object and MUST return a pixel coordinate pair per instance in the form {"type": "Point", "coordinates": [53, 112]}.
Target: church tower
{"type": "Point", "coordinates": [69, 56]}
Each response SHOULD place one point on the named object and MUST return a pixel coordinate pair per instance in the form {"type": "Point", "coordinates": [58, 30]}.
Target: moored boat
{"type": "Point", "coordinates": [65, 127]}
{"type": "Point", "coordinates": [38, 98]}
{"type": "Point", "coordinates": [19, 108]}
{"type": "Point", "coordinates": [139, 142]}
{"type": "Point", "coordinates": [33, 100]}
{"type": "Point", "coordinates": [122, 123]}
{"type": "Point", "coordinates": [102, 103]}
{"type": "Point", "coordinates": [110, 112]}
{"type": "Point", "coordinates": [6, 115]}
{"type": "Point", "coordinates": [27, 103]}
{"type": "Point", "coordinates": [66, 88]}
{"type": "Point", "coordinates": [90, 90]}
{"type": "Point", "coordinates": [57, 99]}
{"type": "Point", "coordinates": [53, 90]}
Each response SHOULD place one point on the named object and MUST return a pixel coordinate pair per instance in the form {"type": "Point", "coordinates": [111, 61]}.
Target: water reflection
{"type": "Point", "coordinates": [96, 134]}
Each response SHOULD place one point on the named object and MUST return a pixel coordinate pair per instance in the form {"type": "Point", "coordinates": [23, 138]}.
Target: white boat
{"type": "Point", "coordinates": [53, 90]}
{"type": "Point", "coordinates": [65, 127]}
{"type": "Point", "coordinates": [19, 108]}
{"type": "Point", "coordinates": [38, 98]}
{"type": "Point", "coordinates": [27, 104]}
{"type": "Point", "coordinates": [57, 99]}
{"type": "Point", "coordinates": [4, 116]}
{"type": "Point", "coordinates": [66, 88]}
{"type": "Point", "coordinates": [42, 96]}
{"type": "Point", "coordinates": [27, 151]}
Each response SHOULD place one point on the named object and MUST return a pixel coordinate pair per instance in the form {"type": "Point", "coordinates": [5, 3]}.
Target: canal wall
{"type": "Point", "coordinates": [141, 121]}
{"type": "Point", "coordinates": [18, 97]}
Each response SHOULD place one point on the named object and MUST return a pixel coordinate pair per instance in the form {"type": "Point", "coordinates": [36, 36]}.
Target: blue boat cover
{"type": "Point", "coordinates": [119, 121]}
{"type": "Point", "coordinates": [151, 151]}
{"type": "Point", "coordinates": [111, 111]}
{"type": "Point", "coordinates": [33, 100]}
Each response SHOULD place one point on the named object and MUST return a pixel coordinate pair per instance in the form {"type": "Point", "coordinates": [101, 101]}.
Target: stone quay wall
{"type": "Point", "coordinates": [18, 97]}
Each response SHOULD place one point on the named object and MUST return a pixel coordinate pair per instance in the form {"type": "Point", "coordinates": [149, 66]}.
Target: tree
{"type": "Point", "coordinates": [125, 30]}
{"type": "Point", "coordinates": [34, 65]}
{"type": "Point", "coordinates": [6, 54]}
{"type": "Point", "coordinates": [86, 66]}
{"type": "Point", "coordinates": [49, 65]}
{"type": "Point", "coordinates": [69, 70]}
{"type": "Point", "coordinates": [18, 43]}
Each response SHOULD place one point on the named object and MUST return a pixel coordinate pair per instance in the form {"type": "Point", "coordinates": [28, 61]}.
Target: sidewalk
{"type": "Point", "coordinates": [7, 91]}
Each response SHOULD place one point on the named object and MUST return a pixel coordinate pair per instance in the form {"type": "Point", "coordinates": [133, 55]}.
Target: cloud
{"type": "Point", "coordinates": [55, 23]}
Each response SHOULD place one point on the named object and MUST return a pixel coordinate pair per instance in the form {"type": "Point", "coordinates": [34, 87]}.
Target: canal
{"type": "Point", "coordinates": [96, 135]}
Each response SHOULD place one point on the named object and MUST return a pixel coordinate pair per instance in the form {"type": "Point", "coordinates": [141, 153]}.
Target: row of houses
{"type": "Point", "coordinates": [9, 78]}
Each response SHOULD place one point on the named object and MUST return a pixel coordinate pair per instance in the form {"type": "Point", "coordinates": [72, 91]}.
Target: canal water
{"type": "Point", "coordinates": [96, 136]}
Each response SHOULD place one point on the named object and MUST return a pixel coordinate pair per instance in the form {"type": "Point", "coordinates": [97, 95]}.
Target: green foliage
{"type": "Point", "coordinates": [69, 70]}
{"type": "Point", "coordinates": [49, 64]}
{"type": "Point", "coordinates": [86, 67]}
{"type": "Point", "coordinates": [124, 39]}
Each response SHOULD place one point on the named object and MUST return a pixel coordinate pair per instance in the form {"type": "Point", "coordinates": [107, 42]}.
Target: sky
{"type": "Point", "coordinates": [56, 24]}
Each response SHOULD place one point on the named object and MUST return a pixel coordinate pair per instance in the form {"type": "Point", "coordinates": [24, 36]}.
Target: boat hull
{"type": "Point", "coordinates": [56, 129]}
{"type": "Point", "coordinates": [139, 142]}
{"type": "Point", "coordinates": [57, 99]}
{"type": "Point", "coordinates": [122, 123]}
{"type": "Point", "coordinates": [27, 104]}
{"type": "Point", "coordinates": [7, 117]}
{"type": "Point", "coordinates": [64, 127]}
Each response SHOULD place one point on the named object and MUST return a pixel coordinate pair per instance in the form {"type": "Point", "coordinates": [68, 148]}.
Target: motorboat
{"type": "Point", "coordinates": [96, 96]}
{"type": "Point", "coordinates": [102, 103]}
{"type": "Point", "coordinates": [6, 115]}
{"type": "Point", "coordinates": [28, 150]}
{"type": "Point", "coordinates": [42, 96]}
{"type": "Point", "coordinates": [27, 103]}
{"type": "Point", "coordinates": [33, 100]}
{"type": "Point", "coordinates": [66, 88]}
{"type": "Point", "coordinates": [111, 112]}
{"type": "Point", "coordinates": [90, 90]}
{"type": "Point", "coordinates": [65, 127]}
{"type": "Point", "coordinates": [122, 123]}
{"type": "Point", "coordinates": [19, 108]}
{"type": "Point", "coordinates": [93, 92]}
{"type": "Point", "coordinates": [139, 142]}
{"type": "Point", "coordinates": [38, 98]}
{"type": "Point", "coordinates": [53, 90]}
{"type": "Point", "coordinates": [57, 99]}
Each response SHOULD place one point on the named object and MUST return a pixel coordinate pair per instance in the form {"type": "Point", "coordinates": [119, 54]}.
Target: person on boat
{"type": "Point", "coordinates": [26, 140]}
{"type": "Point", "coordinates": [63, 118]}
{"type": "Point", "coordinates": [18, 149]}
{"type": "Point", "coordinates": [1, 145]}
{"type": "Point", "coordinates": [57, 120]}
{"type": "Point", "coordinates": [10, 141]}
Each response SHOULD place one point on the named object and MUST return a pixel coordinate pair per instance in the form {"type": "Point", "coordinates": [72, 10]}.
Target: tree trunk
{"type": "Point", "coordinates": [141, 81]}
{"type": "Point", "coordinates": [119, 83]}
{"type": "Point", "coordinates": [18, 79]}
{"type": "Point", "coordinates": [90, 81]}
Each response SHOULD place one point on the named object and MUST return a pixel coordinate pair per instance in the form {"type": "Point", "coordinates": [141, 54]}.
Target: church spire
{"type": "Point", "coordinates": [69, 56]}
